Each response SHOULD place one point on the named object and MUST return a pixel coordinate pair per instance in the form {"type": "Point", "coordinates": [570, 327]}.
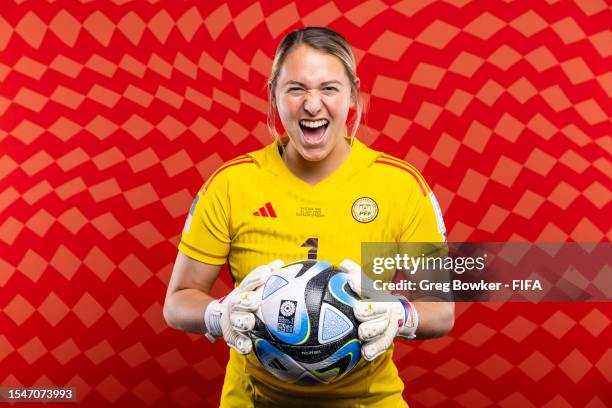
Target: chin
{"type": "Point", "coordinates": [314, 154]}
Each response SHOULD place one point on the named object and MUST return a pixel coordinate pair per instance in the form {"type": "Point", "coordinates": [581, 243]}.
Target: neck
{"type": "Point", "coordinates": [315, 172]}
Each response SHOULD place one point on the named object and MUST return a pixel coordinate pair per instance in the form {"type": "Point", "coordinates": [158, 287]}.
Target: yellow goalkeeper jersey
{"type": "Point", "coordinates": [253, 210]}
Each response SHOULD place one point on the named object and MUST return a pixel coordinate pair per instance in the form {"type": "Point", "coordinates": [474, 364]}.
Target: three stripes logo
{"type": "Point", "coordinates": [265, 211]}
{"type": "Point", "coordinates": [275, 363]}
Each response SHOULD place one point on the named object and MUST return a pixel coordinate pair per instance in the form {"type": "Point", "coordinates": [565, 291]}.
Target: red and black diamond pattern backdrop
{"type": "Point", "coordinates": [113, 112]}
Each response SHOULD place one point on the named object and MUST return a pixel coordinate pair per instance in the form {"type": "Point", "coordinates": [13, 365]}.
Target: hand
{"type": "Point", "coordinates": [233, 316]}
{"type": "Point", "coordinates": [381, 320]}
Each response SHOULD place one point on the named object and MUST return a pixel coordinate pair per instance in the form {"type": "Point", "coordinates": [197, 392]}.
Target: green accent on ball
{"type": "Point", "coordinates": [324, 373]}
{"type": "Point", "coordinates": [337, 369]}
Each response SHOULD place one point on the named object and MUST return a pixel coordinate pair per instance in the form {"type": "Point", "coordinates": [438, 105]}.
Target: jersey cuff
{"type": "Point", "coordinates": [198, 255]}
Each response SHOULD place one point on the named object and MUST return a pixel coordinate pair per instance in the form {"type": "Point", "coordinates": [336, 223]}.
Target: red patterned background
{"type": "Point", "coordinates": [113, 112]}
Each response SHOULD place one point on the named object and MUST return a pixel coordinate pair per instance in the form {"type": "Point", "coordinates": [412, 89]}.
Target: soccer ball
{"type": "Point", "coordinates": [305, 331]}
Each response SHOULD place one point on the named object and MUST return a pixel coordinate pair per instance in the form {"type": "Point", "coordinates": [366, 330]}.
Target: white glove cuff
{"type": "Point", "coordinates": [212, 320]}
{"type": "Point", "coordinates": [411, 320]}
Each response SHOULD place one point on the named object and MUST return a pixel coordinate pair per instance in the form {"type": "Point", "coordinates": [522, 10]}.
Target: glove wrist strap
{"type": "Point", "coordinates": [411, 320]}
{"type": "Point", "coordinates": [212, 320]}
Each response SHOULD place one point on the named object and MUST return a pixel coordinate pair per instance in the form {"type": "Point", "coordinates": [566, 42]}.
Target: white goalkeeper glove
{"type": "Point", "coordinates": [233, 315]}
{"type": "Point", "coordinates": [381, 320]}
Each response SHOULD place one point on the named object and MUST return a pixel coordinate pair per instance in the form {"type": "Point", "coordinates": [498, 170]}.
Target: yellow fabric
{"type": "Point", "coordinates": [228, 222]}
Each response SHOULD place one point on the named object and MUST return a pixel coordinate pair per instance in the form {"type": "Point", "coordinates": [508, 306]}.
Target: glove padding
{"type": "Point", "coordinates": [381, 320]}
{"type": "Point", "coordinates": [234, 315]}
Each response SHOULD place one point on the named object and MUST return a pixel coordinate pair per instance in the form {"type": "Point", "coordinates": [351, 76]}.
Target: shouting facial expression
{"type": "Point", "coordinates": [313, 97]}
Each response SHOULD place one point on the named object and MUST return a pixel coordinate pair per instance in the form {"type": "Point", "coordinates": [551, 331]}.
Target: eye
{"type": "Point", "coordinates": [294, 89]}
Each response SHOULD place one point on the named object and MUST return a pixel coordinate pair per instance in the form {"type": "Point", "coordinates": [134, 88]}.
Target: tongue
{"type": "Point", "coordinates": [313, 136]}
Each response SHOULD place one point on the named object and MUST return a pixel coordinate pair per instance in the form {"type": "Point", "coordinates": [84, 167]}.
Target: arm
{"type": "Point", "coordinates": [435, 309]}
{"type": "Point", "coordinates": [188, 294]}
{"type": "Point", "coordinates": [436, 319]}
{"type": "Point", "coordinates": [188, 305]}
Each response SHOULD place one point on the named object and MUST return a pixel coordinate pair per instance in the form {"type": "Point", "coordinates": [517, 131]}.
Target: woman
{"type": "Point", "coordinates": [315, 194]}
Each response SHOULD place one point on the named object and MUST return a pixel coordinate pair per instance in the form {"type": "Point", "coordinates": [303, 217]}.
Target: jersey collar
{"type": "Point", "coordinates": [359, 156]}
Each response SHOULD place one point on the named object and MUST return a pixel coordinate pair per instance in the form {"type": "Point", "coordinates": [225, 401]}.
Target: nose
{"type": "Point", "coordinates": [312, 103]}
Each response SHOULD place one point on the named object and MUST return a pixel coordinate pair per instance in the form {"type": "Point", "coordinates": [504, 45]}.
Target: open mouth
{"type": "Point", "coordinates": [313, 130]}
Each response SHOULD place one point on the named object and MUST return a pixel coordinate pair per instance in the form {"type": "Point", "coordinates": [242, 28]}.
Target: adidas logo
{"type": "Point", "coordinates": [276, 364]}
{"type": "Point", "coordinates": [265, 211]}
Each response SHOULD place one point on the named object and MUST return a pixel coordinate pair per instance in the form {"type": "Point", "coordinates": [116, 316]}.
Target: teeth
{"type": "Point", "coordinates": [314, 124]}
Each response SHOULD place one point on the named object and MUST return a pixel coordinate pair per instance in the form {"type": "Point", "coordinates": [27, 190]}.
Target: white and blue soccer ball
{"type": "Point", "coordinates": [305, 331]}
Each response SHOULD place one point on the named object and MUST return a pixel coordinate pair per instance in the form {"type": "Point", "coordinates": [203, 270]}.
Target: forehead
{"type": "Point", "coordinates": [309, 66]}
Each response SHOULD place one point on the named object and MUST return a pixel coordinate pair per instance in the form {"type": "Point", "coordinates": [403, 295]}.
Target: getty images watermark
{"type": "Point", "coordinates": [490, 271]}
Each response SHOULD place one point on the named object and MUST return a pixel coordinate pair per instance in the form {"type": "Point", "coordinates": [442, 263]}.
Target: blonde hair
{"type": "Point", "coordinates": [321, 39]}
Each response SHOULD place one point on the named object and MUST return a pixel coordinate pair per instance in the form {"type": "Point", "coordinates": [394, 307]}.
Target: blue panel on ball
{"type": "Point", "coordinates": [273, 284]}
{"type": "Point", "coordinates": [333, 324]}
{"type": "Point", "coordinates": [329, 370]}
{"type": "Point", "coordinates": [352, 348]}
{"type": "Point", "coordinates": [337, 288]}
{"type": "Point", "coordinates": [266, 351]}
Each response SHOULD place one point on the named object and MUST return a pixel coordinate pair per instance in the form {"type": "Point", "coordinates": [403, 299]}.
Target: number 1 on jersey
{"type": "Point", "coordinates": [313, 244]}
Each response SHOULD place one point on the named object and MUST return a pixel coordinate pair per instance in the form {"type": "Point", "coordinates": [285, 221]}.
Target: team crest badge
{"type": "Point", "coordinates": [364, 209]}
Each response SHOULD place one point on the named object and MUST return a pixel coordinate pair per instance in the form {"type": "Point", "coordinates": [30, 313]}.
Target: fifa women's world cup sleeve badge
{"type": "Point", "coordinates": [191, 212]}
{"type": "Point", "coordinates": [438, 212]}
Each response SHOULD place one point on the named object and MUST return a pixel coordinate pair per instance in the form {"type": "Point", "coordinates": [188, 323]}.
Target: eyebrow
{"type": "Point", "coordinates": [334, 82]}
